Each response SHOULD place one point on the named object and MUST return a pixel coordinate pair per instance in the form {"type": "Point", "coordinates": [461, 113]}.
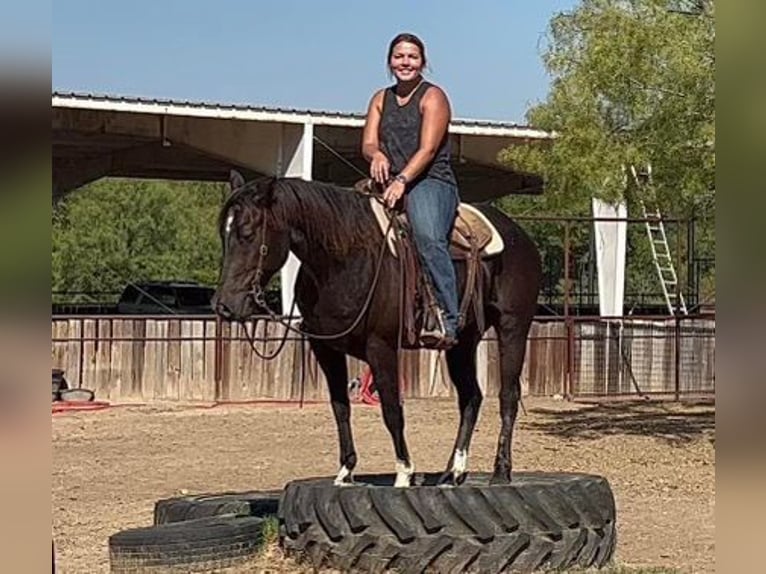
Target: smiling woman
{"type": "Point", "coordinates": [406, 142]}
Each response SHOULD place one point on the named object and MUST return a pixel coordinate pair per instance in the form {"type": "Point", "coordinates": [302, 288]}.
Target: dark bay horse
{"type": "Point", "coordinates": [333, 232]}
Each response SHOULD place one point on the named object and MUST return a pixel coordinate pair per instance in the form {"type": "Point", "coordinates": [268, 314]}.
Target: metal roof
{"type": "Point", "coordinates": [265, 113]}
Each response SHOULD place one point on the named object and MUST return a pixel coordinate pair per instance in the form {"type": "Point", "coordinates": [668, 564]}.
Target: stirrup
{"type": "Point", "coordinates": [434, 334]}
{"type": "Point", "coordinates": [437, 340]}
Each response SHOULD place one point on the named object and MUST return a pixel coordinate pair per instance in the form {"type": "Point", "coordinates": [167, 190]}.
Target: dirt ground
{"type": "Point", "coordinates": [109, 467]}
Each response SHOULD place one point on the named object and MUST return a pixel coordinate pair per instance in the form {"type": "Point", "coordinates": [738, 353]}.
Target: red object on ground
{"type": "Point", "coordinates": [68, 406]}
{"type": "Point", "coordinates": [61, 407]}
{"type": "Point", "coordinates": [369, 397]}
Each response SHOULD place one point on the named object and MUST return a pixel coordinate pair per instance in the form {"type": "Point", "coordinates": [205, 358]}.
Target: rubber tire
{"type": "Point", "coordinates": [77, 396]}
{"type": "Point", "coordinates": [256, 503]}
{"type": "Point", "coordinates": [539, 521]}
{"type": "Point", "coordinates": [58, 384]}
{"type": "Point", "coordinates": [201, 545]}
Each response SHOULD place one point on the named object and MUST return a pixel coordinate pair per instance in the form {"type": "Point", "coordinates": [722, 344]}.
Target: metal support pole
{"type": "Point", "coordinates": [82, 353]}
{"type": "Point", "coordinates": [569, 392]}
{"type": "Point", "coordinates": [692, 295]}
{"type": "Point", "coordinates": [218, 359]}
{"type": "Point", "coordinates": [678, 274]}
{"type": "Point", "coordinates": [678, 315]}
{"type": "Point", "coordinates": [566, 270]}
{"type": "Point", "coordinates": [677, 357]}
{"type": "Point", "coordinates": [567, 321]}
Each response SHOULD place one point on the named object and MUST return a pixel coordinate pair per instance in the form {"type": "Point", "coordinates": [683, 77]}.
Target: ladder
{"type": "Point", "coordinates": [658, 240]}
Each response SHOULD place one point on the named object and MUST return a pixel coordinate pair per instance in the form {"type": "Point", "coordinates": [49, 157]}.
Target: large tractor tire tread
{"type": "Point", "coordinates": [539, 521]}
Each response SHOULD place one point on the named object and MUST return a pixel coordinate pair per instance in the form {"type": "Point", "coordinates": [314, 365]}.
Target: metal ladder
{"type": "Point", "coordinates": [658, 241]}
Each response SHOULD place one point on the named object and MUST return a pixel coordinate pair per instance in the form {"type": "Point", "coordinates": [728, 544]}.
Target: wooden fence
{"type": "Point", "coordinates": [202, 359]}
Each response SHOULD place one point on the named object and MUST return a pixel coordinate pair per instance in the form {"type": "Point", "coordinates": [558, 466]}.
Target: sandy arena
{"type": "Point", "coordinates": [109, 467]}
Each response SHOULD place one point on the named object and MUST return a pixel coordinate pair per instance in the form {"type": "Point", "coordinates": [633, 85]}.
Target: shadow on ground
{"type": "Point", "coordinates": [677, 424]}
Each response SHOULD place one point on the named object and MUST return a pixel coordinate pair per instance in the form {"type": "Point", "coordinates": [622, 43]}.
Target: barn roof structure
{"type": "Point", "coordinates": [104, 135]}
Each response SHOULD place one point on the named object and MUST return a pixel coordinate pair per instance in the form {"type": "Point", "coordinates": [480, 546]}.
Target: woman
{"type": "Point", "coordinates": [405, 140]}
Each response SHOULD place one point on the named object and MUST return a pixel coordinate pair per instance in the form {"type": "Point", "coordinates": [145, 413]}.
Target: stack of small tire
{"type": "Point", "coordinates": [203, 533]}
{"type": "Point", "coordinates": [63, 392]}
{"type": "Point", "coordinates": [541, 521]}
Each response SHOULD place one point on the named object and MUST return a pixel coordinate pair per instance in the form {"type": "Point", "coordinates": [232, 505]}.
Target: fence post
{"type": "Point", "coordinates": [569, 380]}
{"type": "Point", "coordinates": [81, 359]}
{"type": "Point", "coordinates": [567, 319]}
{"type": "Point", "coordinates": [678, 356]}
{"type": "Point", "coordinates": [566, 269]}
{"type": "Point", "coordinates": [218, 358]}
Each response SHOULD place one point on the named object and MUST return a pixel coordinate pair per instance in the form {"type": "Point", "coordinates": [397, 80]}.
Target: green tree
{"type": "Point", "coordinates": [632, 84]}
{"type": "Point", "coordinates": [116, 231]}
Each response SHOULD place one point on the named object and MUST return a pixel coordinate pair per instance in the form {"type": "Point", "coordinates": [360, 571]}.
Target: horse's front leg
{"type": "Point", "coordinates": [333, 364]}
{"type": "Point", "coordinates": [461, 363]}
{"type": "Point", "coordinates": [384, 364]}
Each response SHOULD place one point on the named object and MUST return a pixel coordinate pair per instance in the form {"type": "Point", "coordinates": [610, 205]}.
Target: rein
{"type": "Point", "coordinates": [259, 298]}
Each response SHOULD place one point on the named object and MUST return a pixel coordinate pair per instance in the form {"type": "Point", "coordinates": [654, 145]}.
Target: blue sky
{"type": "Point", "coordinates": [322, 54]}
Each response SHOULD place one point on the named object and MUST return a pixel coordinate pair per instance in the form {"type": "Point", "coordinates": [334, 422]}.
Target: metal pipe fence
{"type": "Point", "coordinates": [575, 356]}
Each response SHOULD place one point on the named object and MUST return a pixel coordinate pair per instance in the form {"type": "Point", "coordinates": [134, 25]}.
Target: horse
{"type": "Point", "coordinates": [333, 232]}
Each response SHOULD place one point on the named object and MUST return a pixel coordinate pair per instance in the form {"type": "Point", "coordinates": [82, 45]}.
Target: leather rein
{"type": "Point", "coordinates": [258, 294]}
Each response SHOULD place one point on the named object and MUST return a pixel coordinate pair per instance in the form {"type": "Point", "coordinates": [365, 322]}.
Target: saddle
{"type": "Point", "coordinates": [473, 239]}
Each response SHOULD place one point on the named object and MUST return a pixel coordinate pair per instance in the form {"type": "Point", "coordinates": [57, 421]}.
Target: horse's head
{"type": "Point", "coordinates": [255, 246]}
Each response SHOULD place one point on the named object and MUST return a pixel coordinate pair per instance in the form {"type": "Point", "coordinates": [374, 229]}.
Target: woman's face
{"type": "Point", "coordinates": [406, 61]}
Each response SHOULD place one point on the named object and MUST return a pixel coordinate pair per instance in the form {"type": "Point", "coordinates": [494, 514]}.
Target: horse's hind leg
{"type": "Point", "coordinates": [461, 363]}
{"type": "Point", "coordinates": [512, 342]}
{"type": "Point", "coordinates": [384, 364]}
{"type": "Point", "coordinates": [333, 364]}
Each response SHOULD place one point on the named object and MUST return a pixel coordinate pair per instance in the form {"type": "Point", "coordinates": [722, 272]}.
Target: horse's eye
{"type": "Point", "coordinates": [246, 232]}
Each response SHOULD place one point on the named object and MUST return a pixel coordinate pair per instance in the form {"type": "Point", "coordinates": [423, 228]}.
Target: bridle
{"type": "Point", "coordinates": [258, 293]}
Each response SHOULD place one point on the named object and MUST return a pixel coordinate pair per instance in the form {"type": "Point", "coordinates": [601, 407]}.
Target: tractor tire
{"type": "Point", "coordinates": [77, 396]}
{"type": "Point", "coordinates": [257, 503]}
{"type": "Point", "coordinates": [539, 521]}
{"type": "Point", "coordinates": [203, 545]}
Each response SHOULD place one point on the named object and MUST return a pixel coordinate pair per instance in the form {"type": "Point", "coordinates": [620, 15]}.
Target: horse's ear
{"type": "Point", "coordinates": [265, 193]}
{"type": "Point", "coordinates": [235, 180]}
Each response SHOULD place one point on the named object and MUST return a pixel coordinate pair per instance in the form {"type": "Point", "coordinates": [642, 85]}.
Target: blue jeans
{"type": "Point", "coordinates": [431, 209]}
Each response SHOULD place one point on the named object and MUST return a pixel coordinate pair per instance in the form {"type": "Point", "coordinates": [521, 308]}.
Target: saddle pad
{"type": "Point", "coordinates": [467, 212]}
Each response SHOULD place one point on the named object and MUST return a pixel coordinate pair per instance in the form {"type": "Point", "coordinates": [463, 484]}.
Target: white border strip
{"type": "Point", "coordinates": [318, 118]}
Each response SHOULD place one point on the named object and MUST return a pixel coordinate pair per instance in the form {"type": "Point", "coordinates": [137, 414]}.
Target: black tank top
{"type": "Point", "coordinates": [399, 135]}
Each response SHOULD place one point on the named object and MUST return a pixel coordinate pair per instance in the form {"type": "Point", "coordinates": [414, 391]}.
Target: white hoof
{"type": "Point", "coordinates": [343, 478]}
{"type": "Point", "coordinates": [403, 474]}
{"type": "Point", "coordinates": [459, 463]}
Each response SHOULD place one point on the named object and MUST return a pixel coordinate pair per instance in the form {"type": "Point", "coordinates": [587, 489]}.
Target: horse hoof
{"type": "Point", "coordinates": [404, 474]}
{"type": "Point", "coordinates": [345, 481]}
{"type": "Point", "coordinates": [500, 479]}
{"type": "Point", "coordinates": [450, 479]}
{"type": "Point", "coordinates": [344, 477]}
{"type": "Point", "coordinates": [446, 479]}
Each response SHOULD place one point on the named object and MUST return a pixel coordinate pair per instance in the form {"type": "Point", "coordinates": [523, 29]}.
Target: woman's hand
{"type": "Point", "coordinates": [393, 193]}
{"type": "Point", "coordinates": [380, 168]}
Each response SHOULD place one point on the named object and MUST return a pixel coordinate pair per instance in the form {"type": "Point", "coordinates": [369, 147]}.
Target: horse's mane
{"type": "Point", "coordinates": [339, 219]}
